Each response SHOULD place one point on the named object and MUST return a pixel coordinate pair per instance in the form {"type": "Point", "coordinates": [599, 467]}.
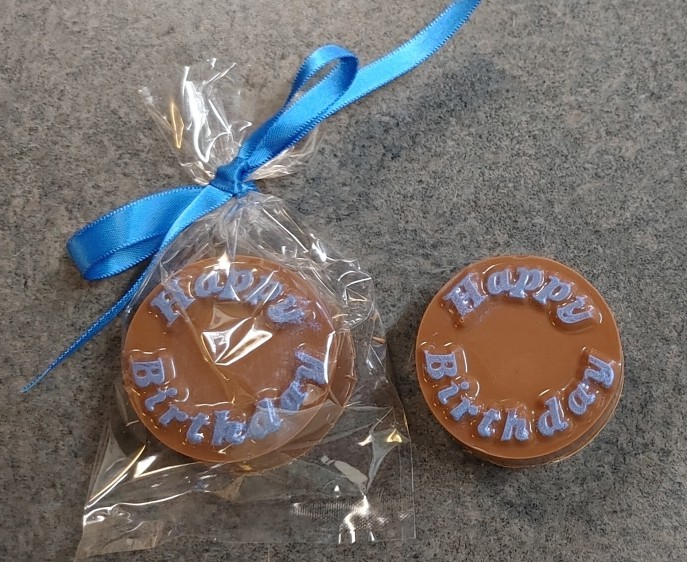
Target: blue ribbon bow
{"type": "Point", "coordinates": [133, 233]}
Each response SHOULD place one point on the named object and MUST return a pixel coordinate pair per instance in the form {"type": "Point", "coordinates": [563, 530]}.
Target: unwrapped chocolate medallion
{"type": "Point", "coordinates": [519, 358]}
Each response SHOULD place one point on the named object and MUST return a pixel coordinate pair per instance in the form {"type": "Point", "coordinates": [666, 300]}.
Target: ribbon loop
{"type": "Point", "coordinates": [304, 108]}
{"type": "Point", "coordinates": [128, 235]}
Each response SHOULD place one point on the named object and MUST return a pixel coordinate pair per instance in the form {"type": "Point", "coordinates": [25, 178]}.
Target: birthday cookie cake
{"type": "Point", "coordinates": [520, 360]}
{"type": "Point", "coordinates": [233, 359]}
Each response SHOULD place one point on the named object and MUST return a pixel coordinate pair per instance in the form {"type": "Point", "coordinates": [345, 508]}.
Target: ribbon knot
{"type": "Point", "coordinates": [142, 229]}
{"type": "Point", "coordinates": [232, 178]}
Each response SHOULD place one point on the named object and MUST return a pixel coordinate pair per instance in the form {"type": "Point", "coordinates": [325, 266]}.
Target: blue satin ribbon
{"type": "Point", "coordinates": [141, 229]}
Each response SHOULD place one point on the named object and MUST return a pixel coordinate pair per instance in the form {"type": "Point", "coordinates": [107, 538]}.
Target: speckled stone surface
{"type": "Point", "coordinates": [546, 127]}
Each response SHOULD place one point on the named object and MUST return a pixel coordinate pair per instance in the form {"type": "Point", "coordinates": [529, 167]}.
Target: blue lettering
{"type": "Point", "coordinates": [293, 397]}
{"type": "Point", "coordinates": [552, 420]}
{"type": "Point", "coordinates": [312, 370]}
{"type": "Point", "coordinates": [445, 394]}
{"type": "Point", "coordinates": [173, 413]}
{"type": "Point", "coordinates": [193, 435]}
{"type": "Point", "coordinates": [237, 282]}
{"type": "Point", "coordinates": [286, 311]}
{"type": "Point", "coordinates": [148, 372]}
{"type": "Point", "coordinates": [266, 291]}
{"type": "Point", "coordinates": [485, 428]}
{"type": "Point", "coordinates": [227, 431]}
{"type": "Point", "coordinates": [499, 282]}
{"type": "Point", "coordinates": [207, 284]}
{"type": "Point", "coordinates": [575, 311]}
{"type": "Point", "coordinates": [465, 407]}
{"type": "Point", "coordinates": [466, 295]}
{"type": "Point", "coordinates": [160, 397]}
{"type": "Point", "coordinates": [579, 399]}
{"type": "Point", "coordinates": [528, 280]}
{"type": "Point", "coordinates": [439, 366]}
{"type": "Point", "coordinates": [164, 301]}
{"type": "Point", "coordinates": [264, 421]}
{"type": "Point", "coordinates": [603, 374]}
{"type": "Point", "coordinates": [515, 425]}
{"type": "Point", "coordinates": [555, 291]}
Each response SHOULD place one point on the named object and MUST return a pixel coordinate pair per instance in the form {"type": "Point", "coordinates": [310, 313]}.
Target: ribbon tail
{"type": "Point", "coordinates": [98, 326]}
{"type": "Point", "coordinates": [412, 53]}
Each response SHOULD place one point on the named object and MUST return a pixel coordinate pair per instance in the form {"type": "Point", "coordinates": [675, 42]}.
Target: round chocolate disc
{"type": "Point", "coordinates": [230, 359]}
{"type": "Point", "coordinates": [520, 359]}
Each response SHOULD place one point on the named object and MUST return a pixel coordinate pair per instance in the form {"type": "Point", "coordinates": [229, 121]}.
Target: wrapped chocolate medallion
{"type": "Point", "coordinates": [253, 401]}
{"type": "Point", "coordinates": [253, 378]}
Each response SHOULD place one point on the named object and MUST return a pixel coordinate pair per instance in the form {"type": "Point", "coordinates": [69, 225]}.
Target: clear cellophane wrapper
{"type": "Point", "coordinates": [344, 472]}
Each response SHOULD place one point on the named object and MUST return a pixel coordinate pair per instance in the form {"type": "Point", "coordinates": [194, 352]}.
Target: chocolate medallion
{"type": "Point", "coordinates": [230, 359]}
{"type": "Point", "coordinates": [520, 360]}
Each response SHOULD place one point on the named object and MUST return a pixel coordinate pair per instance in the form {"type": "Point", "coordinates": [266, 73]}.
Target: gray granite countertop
{"type": "Point", "coordinates": [545, 127]}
